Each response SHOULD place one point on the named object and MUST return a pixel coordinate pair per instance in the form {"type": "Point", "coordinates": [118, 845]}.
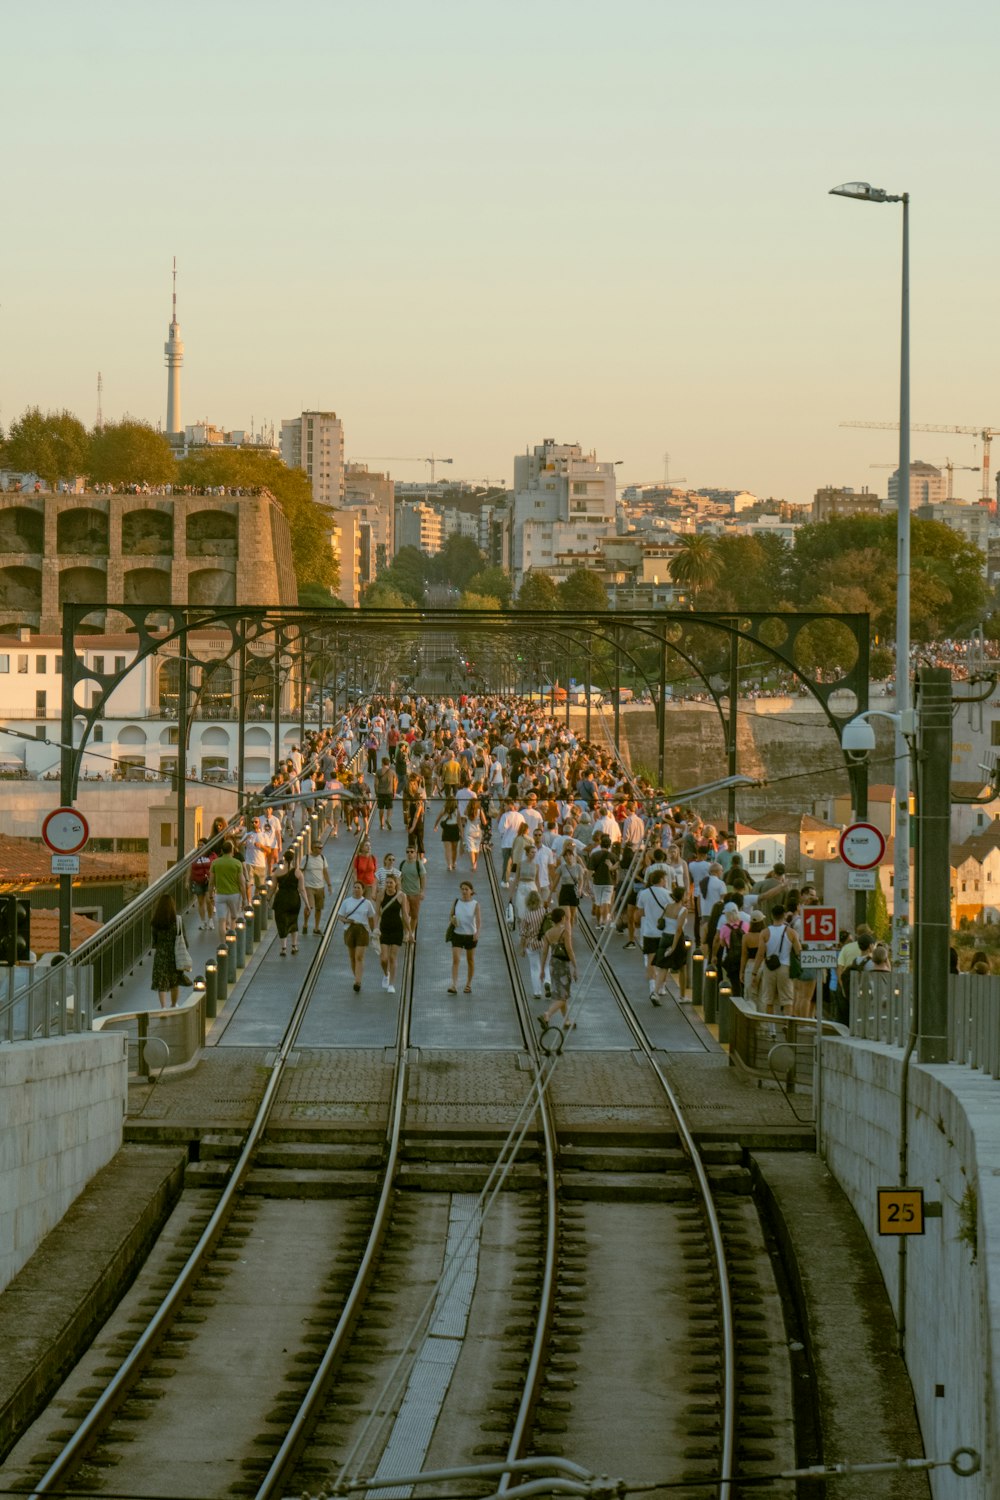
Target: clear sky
{"type": "Point", "coordinates": [467, 227]}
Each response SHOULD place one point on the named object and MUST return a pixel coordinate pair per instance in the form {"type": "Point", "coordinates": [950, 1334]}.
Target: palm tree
{"type": "Point", "coordinates": [697, 564]}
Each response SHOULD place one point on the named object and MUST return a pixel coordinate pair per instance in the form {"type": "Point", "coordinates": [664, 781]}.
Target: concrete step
{"type": "Point", "coordinates": [721, 1153]}
{"type": "Point", "coordinates": [620, 1159]}
{"type": "Point", "coordinates": [463, 1177]}
{"type": "Point", "coordinates": [628, 1187]}
{"type": "Point", "coordinates": [274, 1182]}
{"type": "Point", "coordinates": [313, 1155]}
{"type": "Point", "coordinates": [414, 1149]}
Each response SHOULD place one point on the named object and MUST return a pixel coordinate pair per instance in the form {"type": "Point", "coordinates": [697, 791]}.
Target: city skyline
{"type": "Point", "coordinates": [616, 233]}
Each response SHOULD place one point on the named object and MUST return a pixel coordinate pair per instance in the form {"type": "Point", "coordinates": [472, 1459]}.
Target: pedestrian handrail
{"type": "Point", "coordinates": [882, 1011]}
{"type": "Point", "coordinates": [177, 1034]}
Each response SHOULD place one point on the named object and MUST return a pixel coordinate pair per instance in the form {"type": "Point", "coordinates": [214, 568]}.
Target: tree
{"type": "Point", "coordinates": [458, 561]}
{"type": "Point", "coordinates": [381, 595]}
{"type": "Point", "coordinates": [308, 523]}
{"type": "Point", "coordinates": [315, 596]}
{"type": "Point", "coordinates": [478, 601]}
{"type": "Point", "coordinates": [52, 445]}
{"type": "Point", "coordinates": [697, 564]}
{"type": "Point", "coordinates": [877, 914]}
{"type": "Point", "coordinates": [537, 591]}
{"type": "Point", "coordinates": [408, 573]}
{"type": "Point", "coordinates": [582, 589]}
{"type": "Point", "coordinates": [130, 452]}
{"type": "Point", "coordinates": [494, 582]}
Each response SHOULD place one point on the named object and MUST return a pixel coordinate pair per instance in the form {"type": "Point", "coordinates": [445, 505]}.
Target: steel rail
{"type": "Point", "coordinates": [145, 1346]}
{"type": "Point", "coordinates": [708, 1203]}
{"type": "Point", "coordinates": [300, 1428]}
{"type": "Point", "coordinates": [546, 1310]}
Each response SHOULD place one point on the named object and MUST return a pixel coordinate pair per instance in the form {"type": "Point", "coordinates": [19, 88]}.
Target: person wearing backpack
{"type": "Point", "coordinates": [727, 949]}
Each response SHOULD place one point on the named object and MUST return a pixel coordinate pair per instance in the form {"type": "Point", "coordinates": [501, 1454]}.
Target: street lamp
{"type": "Point", "coordinates": [901, 852]}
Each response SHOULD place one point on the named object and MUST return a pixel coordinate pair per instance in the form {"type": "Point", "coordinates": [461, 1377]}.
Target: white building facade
{"type": "Point", "coordinates": [419, 525]}
{"type": "Point", "coordinates": [563, 509]}
{"type": "Point", "coordinates": [314, 441]}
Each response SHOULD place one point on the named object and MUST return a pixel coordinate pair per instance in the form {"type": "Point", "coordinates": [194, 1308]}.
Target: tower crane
{"type": "Point", "coordinates": [970, 468]}
{"type": "Point", "coordinates": [984, 434]}
{"type": "Point", "coordinates": [394, 458]}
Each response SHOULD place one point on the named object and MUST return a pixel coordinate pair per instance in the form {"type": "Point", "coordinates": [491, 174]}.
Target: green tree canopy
{"type": "Point", "coordinates": [381, 595]}
{"type": "Point", "coordinates": [697, 565]}
{"type": "Point", "coordinates": [309, 524]}
{"type": "Point", "coordinates": [51, 444]}
{"type": "Point", "coordinates": [494, 582]}
{"type": "Point", "coordinates": [408, 573]}
{"type": "Point", "coordinates": [130, 452]}
{"type": "Point", "coordinates": [537, 591]}
{"type": "Point", "coordinates": [582, 589]}
{"type": "Point", "coordinates": [458, 561]}
{"type": "Point", "coordinates": [470, 600]}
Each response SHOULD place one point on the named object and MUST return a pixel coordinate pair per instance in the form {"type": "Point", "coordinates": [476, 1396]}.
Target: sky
{"type": "Point", "coordinates": [468, 227]}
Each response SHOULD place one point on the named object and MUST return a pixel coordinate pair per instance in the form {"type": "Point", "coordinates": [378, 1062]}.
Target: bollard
{"type": "Point", "coordinates": [231, 968]}
{"type": "Point", "coordinates": [698, 979]}
{"type": "Point", "coordinates": [249, 935]}
{"type": "Point", "coordinates": [711, 993]}
{"type": "Point", "coordinates": [211, 993]}
{"type": "Point", "coordinates": [222, 974]}
{"type": "Point", "coordinates": [258, 919]}
{"type": "Point", "coordinates": [725, 1011]}
{"type": "Point", "coordinates": [241, 943]}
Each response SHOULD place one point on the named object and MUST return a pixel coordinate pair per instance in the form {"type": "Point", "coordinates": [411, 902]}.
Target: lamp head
{"type": "Point", "coordinates": [864, 191]}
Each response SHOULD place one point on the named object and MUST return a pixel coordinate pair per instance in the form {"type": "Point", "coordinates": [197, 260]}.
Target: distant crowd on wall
{"type": "Point", "coordinates": [17, 487]}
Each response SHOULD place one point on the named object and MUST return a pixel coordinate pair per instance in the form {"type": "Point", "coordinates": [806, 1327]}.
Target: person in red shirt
{"type": "Point", "coordinates": [201, 867]}
{"type": "Point", "coordinates": [365, 867]}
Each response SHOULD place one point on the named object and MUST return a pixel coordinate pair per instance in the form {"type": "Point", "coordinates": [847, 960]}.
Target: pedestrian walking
{"type": "Point", "coordinates": [412, 884]}
{"type": "Point", "coordinates": [366, 868]}
{"type": "Point", "coordinates": [316, 874]}
{"type": "Point", "coordinates": [473, 832]}
{"type": "Point", "coordinates": [390, 931]}
{"type": "Point", "coordinates": [463, 935]}
{"type": "Point", "coordinates": [227, 885]}
{"type": "Point", "coordinates": [358, 916]}
{"type": "Point", "coordinates": [558, 966]}
{"type": "Point", "coordinates": [448, 822]}
{"type": "Point", "coordinates": [531, 940]}
{"type": "Point", "coordinates": [165, 927]}
{"type": "Point", "coordinates": [289, 899]}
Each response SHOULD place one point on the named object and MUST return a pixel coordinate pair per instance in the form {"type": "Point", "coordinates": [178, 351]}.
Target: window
{"type": "Point", "coordinates": [4, 663]}
{"type": "Point", "coordinates": [22, 664]}
{"type": "Point", "coordinates": [58, 666]}
{"type": "Point", "coordinates": [39, 731]}
{"type": "Point", "coordinates": [119, 663]}
{"type": "Point", "coordinates": [40, 702]}
{"type": "Point", "coordinates": [98, 664]}
{"type": "Point", "coordinates": [99, 733]}
{"type": "Point", "coordinates": [40, 665]}
{"type": "Point", "coordinates": [166, 835]}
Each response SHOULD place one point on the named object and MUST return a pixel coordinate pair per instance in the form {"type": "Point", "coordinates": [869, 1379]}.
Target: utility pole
{"type": "Point", "coordinates": [933, 803]}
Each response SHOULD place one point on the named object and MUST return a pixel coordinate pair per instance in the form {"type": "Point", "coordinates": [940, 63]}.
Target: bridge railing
{"type": "Point", "coordinates": [882, 1011]}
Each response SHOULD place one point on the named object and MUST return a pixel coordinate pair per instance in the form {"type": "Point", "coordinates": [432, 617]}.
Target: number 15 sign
{"type": "Point", "coordinates": [819, 924]}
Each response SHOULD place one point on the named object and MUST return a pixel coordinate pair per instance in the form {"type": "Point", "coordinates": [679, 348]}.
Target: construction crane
{"type": "Point", "coordinates": [393, 458]}
{"type": "Point", "coordinates": [970, 468]}
{"type": "Point", "coordinates": [984, 434]}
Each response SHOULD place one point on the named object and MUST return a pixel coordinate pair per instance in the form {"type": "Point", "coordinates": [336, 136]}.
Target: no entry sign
{"type": "Point", "coordinates": [862, 846]}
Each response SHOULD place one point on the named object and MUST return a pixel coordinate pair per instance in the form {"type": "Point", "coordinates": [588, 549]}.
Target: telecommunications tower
{"type": "Point", "coordinates": [174, 350]}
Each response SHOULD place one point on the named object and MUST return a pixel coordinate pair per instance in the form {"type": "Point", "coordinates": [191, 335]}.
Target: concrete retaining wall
{"type": "Point", "coordinates": [952, 1301]}
{"type": "Point", "coordinates": [62, 1107]}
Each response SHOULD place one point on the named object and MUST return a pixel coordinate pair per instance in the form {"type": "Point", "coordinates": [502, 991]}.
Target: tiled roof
{"type": "Point", "coordinates": [45, 930]}
{"type": "Point", "coordinates": [978, 845]}
{"type": "Point", "coordinates": [25, 862]}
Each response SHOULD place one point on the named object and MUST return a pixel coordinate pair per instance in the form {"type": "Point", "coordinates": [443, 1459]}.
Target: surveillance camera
{"type": "Point", "coordinates": [858, 739]}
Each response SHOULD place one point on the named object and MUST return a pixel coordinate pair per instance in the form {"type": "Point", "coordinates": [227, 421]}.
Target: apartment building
{"type": "Point", "coordinates": [314, 442]}
{"type": "Point", "coordinates": [563, 508]}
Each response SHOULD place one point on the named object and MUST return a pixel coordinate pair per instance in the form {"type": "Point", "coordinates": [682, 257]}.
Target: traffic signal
{"type": "Point", "coordinates": [15, 930]}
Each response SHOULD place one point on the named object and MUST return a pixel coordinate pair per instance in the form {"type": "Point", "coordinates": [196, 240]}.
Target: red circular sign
{"type": "Point", "coordinates": [862, 846]}
{"type": "Point", "coordinates": [65, 831]}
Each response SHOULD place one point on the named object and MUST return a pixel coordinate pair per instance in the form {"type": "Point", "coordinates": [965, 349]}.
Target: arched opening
{"type": "Point", "coordinates": [217, 690]}
{"type": "Point", "coordinates": [168, 687]}
{"type": "Point", "coordinates": [23, 530]}
{"type": "Point", "coordinates": [21, 588]}
{"type": "Point", "coordinates": [170, 735]}
{"type": "Point", "coordinates": [82, 533]}
{"type": "Point", "coordinates": [260, 690]}
{"type": "Point", "coordinates": [147, 533]}
{"type": "Point", "coordinates": [146, 586]}
{"type": "Point", "coordinates": [212, 586]}
{"type": "Point", "coordinates": [212, 533]}
{"type": "Point", "coordinates": [215, 736]}
{"type": "Point", "coordinates": [83, 586]}
{"type": "Point", "coordinates": [257, 736]}
{"type": "Point", "coordinates": [131, 734]}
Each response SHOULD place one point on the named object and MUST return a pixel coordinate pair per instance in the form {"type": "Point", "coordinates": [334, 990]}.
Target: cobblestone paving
{"type": "Point", "coordinates": [713, 1094]}
{"type": "Point", "coordinates": [452, 1088]}
{"type": "Point", "coordinates": [352, 1087]}
{"type": "Point", "coordinates": [613, 1088]}
{"type": "Point", "coordinates": [223, 1088]}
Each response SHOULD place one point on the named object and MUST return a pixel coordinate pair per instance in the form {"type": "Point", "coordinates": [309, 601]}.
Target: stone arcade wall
{"type": "Point", "coordinates": [952, 1302]}
{"type": "Point", "coordinates": [62, 1104]}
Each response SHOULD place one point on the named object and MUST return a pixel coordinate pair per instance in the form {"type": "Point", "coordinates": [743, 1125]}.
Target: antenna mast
{"type": "Point", "coordinates": [99, 424]}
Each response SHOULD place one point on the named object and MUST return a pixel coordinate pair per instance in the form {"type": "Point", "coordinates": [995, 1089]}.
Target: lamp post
{"type": "Point", "coordinates": [901, 850]}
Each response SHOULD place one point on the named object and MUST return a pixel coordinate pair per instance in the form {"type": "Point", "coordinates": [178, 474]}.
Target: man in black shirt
{"type": "Point", "coordinates": [603, 864]}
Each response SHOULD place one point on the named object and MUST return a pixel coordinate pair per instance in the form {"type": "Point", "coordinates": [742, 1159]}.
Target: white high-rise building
{"type": "Point", "coordinates": [419, 525]}
{"type": "Point", "coordinates": [928, 485]}
{"type": "Point", "coordinates": [315, 442]}
{"type": "Point", "coordinates": [563, 509]}
{"type": "Point", "coordinates": [174, 351]}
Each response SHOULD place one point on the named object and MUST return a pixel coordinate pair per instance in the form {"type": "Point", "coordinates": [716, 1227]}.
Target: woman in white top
{"type": "Point", "coordinates": [358, 916]}
{"type": "Point", "coordinates": [463, 935]}
{"type": "Point", "coordinates": [316, 874]}
{"type": "Point", "coordinates": [527, 878]}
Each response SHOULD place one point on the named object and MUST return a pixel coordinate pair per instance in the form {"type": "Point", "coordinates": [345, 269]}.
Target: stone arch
{"type": "Point", "coordinates": [83, 586]}
{"type": "Point", "coordinates": [147, 533]}
{"type": "Point", "coordinates": [217, 689]}
{"type": "Point", "coordinates": [146, 586]}
{"type": "Point", "coordinates": [131, 734]}
{"type": "Point", "coordinates": [170, 735]}
{"type": "Point", "coordinates": [23, 530]}
{"type": "Point", "coordinates": [212, 586]}
{"type": "Point", "coordinates": [257, 736]}
{"type": "Point", "coordinates": [212, 532]}
{"type": "Point", "coordinates": [82, 532]}
{"type": "Point", "coordinates": [215, 735]}
{"type": "Point", "coordinates": [21, 588]}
